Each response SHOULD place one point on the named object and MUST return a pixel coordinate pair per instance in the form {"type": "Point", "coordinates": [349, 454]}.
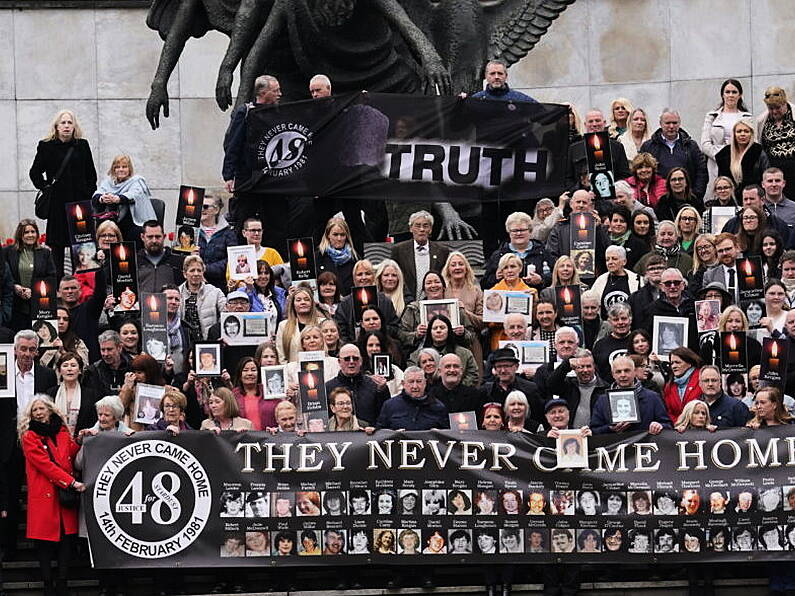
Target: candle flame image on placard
{"type": "Point", "coordinates": [596, 144]}
{"type": "Point", "coordinates": [310, 380]}
{"type": "Point", "coordinates": [749, 270]}
{"type": "Point", "coordinates": [78, 212]}
{"type": "Point", "coordinates": [566, 295]}
{"type": "Point", "coordinates": [365, 298]}
{"type": "Point", "coordinates": [581, 223]}
{"type": "Point", "coordinates": [122, 253]}
{"type": "Point", "coordinates": [153, 303]}
{"type": "Point", "coordinates": [190, 197]}
{"type": "Point", "coordinates": [774, 350]}
{"type": "Point", "coordinates": [733, 342]}
{"type": "Point", "coordinates": [42, 288]}
{"type": "Point", "coordinates": [299, 249]}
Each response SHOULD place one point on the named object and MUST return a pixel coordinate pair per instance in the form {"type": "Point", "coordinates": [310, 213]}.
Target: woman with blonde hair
{"type": "Point", "coordinates": [124, 197]}
{"type": "Point", "coordinates": [50, 453]}
{"type": "Point", "coordinates": [301, 311]}
{"type": "Point", "coordinates": [695, 414]}
{"type": "Point", "coordinates": [637, 132]}
{"type": "Point", "coordinates": [224, 413]}
{"type": "Point", "coordinates": [311, 341]}
{"type": "Point", "coordinates": [769, 409]}
{"type": "Point", "coordinates": [620, 109]}
{"type": "Point", "coordinates": [564, 273]}
{"type": "Point", "coordinates": [389, 281]}
{"type": "Point", "coordinates": [72, 181]}
{"type": "Point", "coordinates": [688, 224]}
{"type": "Point", "coordinates": [743, 160]}
{"type": "Point", "coordinates": [509, 272]}
{"type": "Point", "coordinates": [460, 283]}
{"type": "Point", "coordinates": [336, 253]}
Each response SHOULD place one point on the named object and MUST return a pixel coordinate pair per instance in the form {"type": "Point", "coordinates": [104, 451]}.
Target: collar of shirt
{"type": "Point", "coordinates": [422, 248]}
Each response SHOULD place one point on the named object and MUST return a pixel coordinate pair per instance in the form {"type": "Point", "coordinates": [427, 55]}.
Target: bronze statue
{"type": "Point", "coordinates": [392, 46]}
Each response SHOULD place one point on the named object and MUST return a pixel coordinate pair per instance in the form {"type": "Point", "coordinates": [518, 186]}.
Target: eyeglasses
{"type": "Point", "coordinates": [109, 235]}
{"type": "Point", "coordinates": [687, 218]}
{"type": "Point", "coordinates": [672, 283]}
{"type": "Point", "coordinates": [206, 206]}
{"type": "Point", "coordinates": [749, 217]}
{"type": "Point", "coordinates": [254, 230]}
{"type": "Point", "coordinates": [342, 404]}
{"type": "Point", "coordinates": [705, 247]}
{"type": "Point", "coordinates": [519, 230]}
{"type": "Point", "coordinates": [350, 358]}
{"type": "Point", "coordinates": [170, 407]}
{"type": "Point", "coordinates": [723, 188]}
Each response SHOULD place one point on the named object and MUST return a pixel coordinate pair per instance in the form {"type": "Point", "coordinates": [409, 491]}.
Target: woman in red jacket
{"type": "Point", "coordinates": [683, 385]}
{"type": "Point", "coordinates": [49, 455]}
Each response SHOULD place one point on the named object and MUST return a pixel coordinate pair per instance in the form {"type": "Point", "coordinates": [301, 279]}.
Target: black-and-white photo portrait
{"type": "Point", "coordinates": [623, 406]}
{"type": "Point", "coordinates": [668, 334]}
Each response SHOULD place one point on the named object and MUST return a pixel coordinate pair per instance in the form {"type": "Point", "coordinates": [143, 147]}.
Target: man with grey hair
{"type": "Point", "coordinates": [319, 86]}
{"type": "Point", "coordinates": [672, 147]}
{"type": "Point", "coordinates": [419, 255]}
{"type": "Point", "coordinates": [107, 375]}
{"type": "Point", "coordinates": [616, 343]}
{"type": "Point", "coordinates": [674, 302]}
{"type": "Point", "coordinates": [566, 343]}
{"type": "Point", "coordinates": [29, 377]}
{"type": "Point", "coordinates": [413, 409]}
{"type": "Point", "coordinates": [448, 388]}
{"type": "Point", "coordinates": [576, 382]}
{"type": "Point", "coordinates": [577, 169]}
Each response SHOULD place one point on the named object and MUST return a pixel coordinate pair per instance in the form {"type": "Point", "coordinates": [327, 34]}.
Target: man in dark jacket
{"type": "Point", "coordinates": [106, 375]}
{"type": "Point", "coordinates": [496, 73]}
{"type": "Point", "coordinates": [368, 397]}
{"type": "Point", "coordinates": [615, 343]}
{"type": "Point", "coordinates": [724, 411]}
{"type": "Point", "coordinates": [506, 365]}
{"type": "Point", "coordinates": [578, 162]}
{"type": "Point", "coordinates": [157, 266]}
{"type": "Point", "coordinates": [566, 343]}
{"type": "Point", "coordinates": [641, 301]}
{"type": "Point", "coordinates": [449, 390]}
{"type": "Point", "coordinates": [559, 239]}
{"type": "Point", "coordinates": [672, 147]}
{"type": "Point", "coordinates": [652, 416]}
{"type": "Point", "coordinates": [674, 302]}
{"type": "Point", "coordinates": [575, 381]}
{"type": "Point", "coordinates": [418, 255]}
{"type": "Point", "coordinates": [413, 409]}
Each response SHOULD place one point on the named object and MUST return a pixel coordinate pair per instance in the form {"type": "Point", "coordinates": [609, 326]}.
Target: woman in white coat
{"type": "Point", "coordinates": [718, 125]}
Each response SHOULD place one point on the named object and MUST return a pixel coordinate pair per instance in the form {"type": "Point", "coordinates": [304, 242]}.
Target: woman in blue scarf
{"type": "Point", "coordinates": [125, 198]}
{"type": "Point", "coordinates": [335, 253]}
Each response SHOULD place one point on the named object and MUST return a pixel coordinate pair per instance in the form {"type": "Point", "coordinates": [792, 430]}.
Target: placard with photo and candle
{"type": "Point", "coordinates": [750, 278]}
{"type": "Point", "coordinates": [312, 387]}
{"type": "Point", "coordinates": [43, 298]}
{"type": "Point", "coordinates": [775, 356]}
{"type": "Point", "coordinates": [755, 311]}
{"type": "Point", "coordinates": [603, 186]}
{"type": "Point", "coordinates": [154, 321]}
{"type": "Point", "coordinates": [733, 352]}
{"type": "Point", "coordinates": [597, 151]}
{"type": "Point", "coordinates": [301, 253]}
{"type": "Point", "coordinates": [582, 233]}
{"type": "Point", "coordinates": [124, 276]}
{"type": "Point", "coordinates": [189, 206]}
{"type": "Point", "coordinates": [82, 241]}
{"type": "Point", "coordinates": [463, 421]}
{"type": "Point", "coordinates": [567, 299]}
{"type": "Point", "coordinates": [363, 297]}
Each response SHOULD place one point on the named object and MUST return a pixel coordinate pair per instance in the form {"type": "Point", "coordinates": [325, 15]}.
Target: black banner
{"type": "Point", "coordinates": [250, 499]}
{"type": "Point", "coordinates": [376, 146]}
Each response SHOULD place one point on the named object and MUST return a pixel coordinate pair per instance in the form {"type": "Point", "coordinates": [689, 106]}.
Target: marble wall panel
{"type": "Point", "coordinates": [156, 154]}
{"type": "Point", "coordinates": [772, 32]}
{"type": "Point", "coordinates": [203, 126]}
{"type": "Point", "coordinates": [198, 65]}
{"type": "Point", "coordinates": [693, 99]}
{"type": "Point", "coordinates": [55, 54]}
{"type": "Point", "coordinates": [7, 83]}
{"type": "Point", "coordinates": [8, 146]}
{"type": "Point", "coordinates": [652, 97]}
{"type": "Point", "coordinates": [9, 207]}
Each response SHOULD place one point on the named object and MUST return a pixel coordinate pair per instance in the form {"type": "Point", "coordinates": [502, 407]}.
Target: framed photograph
{"type": "Point", "coordinates": [84, 257]}
{"type": "Point", "coordinates": [623, 406]}
{"type": "Point", "coordinates": [493, 306]}
{"type": "Point", "coordinates": [242, 261]}
{"type": "Point", "coordinates": [274, 381]}
{"type": "Point", "coordinates": [707, 315]}
{"type": "Point", "coordinates": [446, 306]}
{"type": "Point", "coordinates": [382, 365]}
{"type": "Point", "coordinates": [207, 360]}
{"type": "Point", "coordinates": [154, 321]}
{"type": "Point", "coordinates": [462, 421]}
{"type": "Point", "coordinates": [8, 386]}
{"type": "Point", "coordinates": [147, 403]}
{"type": "Point", "coordinates": [47, 330]}
{"type": "Point", "coordinates": [572, 448]}
{"type": "Point", "coordinates": [518, 302]}
{"type": "Point", "coordinates": [244, 328]}
{"type": "Point", "coordinates": [529, 353]}
{"type": "Point", "coordinates": [668, 334]}
{"type": "Point", "coordinates": [719, 217]}
{"type": "Point", "coordinates": [185, 239]}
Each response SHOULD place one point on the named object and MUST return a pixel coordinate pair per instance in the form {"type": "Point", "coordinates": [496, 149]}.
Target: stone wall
{"type": "Point", "coordinates": [100, 62]}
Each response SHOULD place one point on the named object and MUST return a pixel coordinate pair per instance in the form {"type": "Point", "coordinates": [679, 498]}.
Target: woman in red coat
{"type": "Point", "coordinates": [683, 385]}
{"type": "Point", "coordinates": [45, 438]}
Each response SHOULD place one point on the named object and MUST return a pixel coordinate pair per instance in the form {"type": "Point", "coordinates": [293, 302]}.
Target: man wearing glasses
{"type": "Point", "coordinates": [755, 196]}
{"type": "Point", "coordinates": [419, 255]}
{"type": "Point", "coordinates": [367, 396]}
{"type": "Point", "coordinates": [675, 302]}
{"type": "Point", "coordinates": [537, 263]}
{"type": "Point", "coordinates": [726, 272]}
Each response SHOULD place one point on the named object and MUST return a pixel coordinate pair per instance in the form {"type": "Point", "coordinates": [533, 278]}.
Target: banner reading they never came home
{"type": "Point", "coordinates": [376, 146]}
{"type": "Point", "coordinates": [252, 499]}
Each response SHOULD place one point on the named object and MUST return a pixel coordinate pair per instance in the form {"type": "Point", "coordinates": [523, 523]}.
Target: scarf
{"type": "Point", "coordinates": [47, 429]}
{"type": "Point", "coordinates": [339, 256]}
{"type": "Point", "coordinates": [681, 382]}
{"type": "Point", "coordinates": [668, 253]}
{"type": "Point", "coordinates": [620, 239]}
{"type": "Point", "coordinates": [174, 336]}
{"type": "Point", "coordinates": [61, 402]}
{"type": "Point", "coordinates": [133, 188]}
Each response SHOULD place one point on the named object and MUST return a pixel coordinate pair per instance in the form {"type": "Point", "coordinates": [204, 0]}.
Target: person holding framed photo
{"type": "Point", "coordinates": [441, 336]}
{"type": "Point", "coordinates": [651, 412]}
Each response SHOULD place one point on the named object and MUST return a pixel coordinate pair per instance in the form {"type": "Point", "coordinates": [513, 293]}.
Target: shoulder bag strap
{"type": "Point", "coordinates": [64, 163]}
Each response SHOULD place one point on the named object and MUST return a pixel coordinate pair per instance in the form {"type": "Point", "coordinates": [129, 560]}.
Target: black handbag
{"type": "Point", "coordinates": [68, 497]}
{"type": "Point", "coordinates": [45, 195]}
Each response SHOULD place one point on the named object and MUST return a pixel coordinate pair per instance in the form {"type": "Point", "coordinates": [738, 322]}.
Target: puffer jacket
{"type": "Point", "coordinates": [210, 303]}
{"type": "Point", "coordinates": [213, 252]}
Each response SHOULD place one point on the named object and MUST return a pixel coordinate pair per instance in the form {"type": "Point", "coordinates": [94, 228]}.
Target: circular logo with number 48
{"type": "Point", "coordinates": [152, 499]}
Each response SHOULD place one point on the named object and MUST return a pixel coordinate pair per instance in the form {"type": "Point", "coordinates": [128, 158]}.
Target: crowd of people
{"type": "Point", "coordinates": [656, 254]}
